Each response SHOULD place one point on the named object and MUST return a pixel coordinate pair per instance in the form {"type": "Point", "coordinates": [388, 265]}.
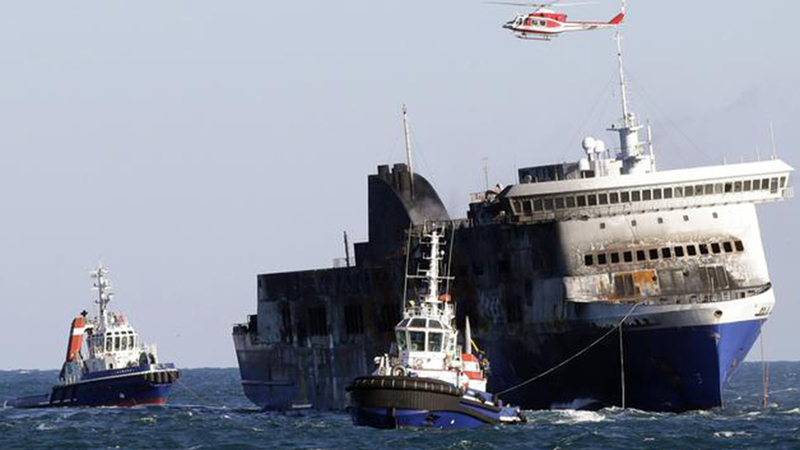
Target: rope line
{"type": "Point", "coordinates": [568, 360]}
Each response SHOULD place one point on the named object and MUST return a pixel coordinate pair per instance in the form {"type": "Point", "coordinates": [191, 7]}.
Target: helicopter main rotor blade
{"type": "Point", "coordinates": [540, 5]}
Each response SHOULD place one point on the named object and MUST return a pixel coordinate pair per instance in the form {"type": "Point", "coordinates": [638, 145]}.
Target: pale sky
{"type": "Point", "coordinates": [192, 144]}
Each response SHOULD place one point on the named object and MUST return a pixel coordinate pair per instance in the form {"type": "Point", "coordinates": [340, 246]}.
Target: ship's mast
{"type": "Point", "coordinates": [407, 133]}
{"type": "Point", "coordinates": [626, 118]}
{"type": "Point", "coordinates": [634, 160]}
{"type": "Point", "coordinates": [103, 288]}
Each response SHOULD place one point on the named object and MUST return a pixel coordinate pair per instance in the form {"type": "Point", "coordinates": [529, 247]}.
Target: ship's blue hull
{"type": "Point", "coordinates": [665, 369]}
{"type": "Point", "coordinates": [119, 387]}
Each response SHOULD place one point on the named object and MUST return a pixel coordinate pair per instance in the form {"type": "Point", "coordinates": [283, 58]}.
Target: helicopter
{"type": "Point", "coordinates": [544, 24]}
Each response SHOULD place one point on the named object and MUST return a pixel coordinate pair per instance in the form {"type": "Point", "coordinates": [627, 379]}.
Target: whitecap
{"type": "Point", "coordinates": [45, 427]}
{"type": "Point", "coordinates": [792, 411]}
{"type": "Point", "coordinates": [571, 416]}
{"type": "Point", "coordinates": [728, 434]}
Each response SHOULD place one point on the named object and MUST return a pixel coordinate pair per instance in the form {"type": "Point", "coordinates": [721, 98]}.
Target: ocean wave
{"type": "Point", "coordinates": [572, 416]}
{"type": "Point", "coordinates": [730, 434]}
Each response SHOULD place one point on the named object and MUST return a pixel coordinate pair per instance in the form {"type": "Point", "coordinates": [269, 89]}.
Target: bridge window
{"type": "Point", "coordinates": [678, 251]}
{"type": "Point", "coordinates": [774, 187]}
{"type": "Point", "coordinates": [653, 253]}
{"type": "Point", "coordinates": [756, 185]}
{"type": "Point", "coordinates": [613, 198]}
{"type": "Point", "coordinates": [581, 200]}
{"type": "Point", "coordinates": [698, 190]}
{"type": "Point", "coordinates": [640, 256]}
{"type": "Point", "coordinates": [688, 191]}
{"type": "Point", "coordinates": [401, 340]}
{"type": "Point", "coordinates": [109, 344]}
{"type": "Point", "coordinates": [627, 256]}
{"type": "Point", "coordinates": [718, 188]}
{"type": "Point", "coordinates": [625, 197]}
{"type": "Point", "coordinates": [748, 185]}
{"type": "Point", "coordinates": [703, 249]}
{"type": "Point", "coordinates": [416, 341]}
{"type": "Point", "coordinates": [739, 246]}
{"type": "Point", "coordinates": [417, 323]}
{"type": "Point", "coordinates": [527, 207]}
{"type": "Point", "coordinates": [124, 343]}
{"type": "Point", "coordinates": [715, 248]}
{"type": "Point", "coordinates": [783, 182]}
{"type": "Point", "coordinates": [646, 195]}
{"type": "Point", "coordinates": [678, 191]}
{"type": "Point", "coordinates": [601, 259]}
{"type": "Point", "coordinates": [666, 252]}
{"type": "Point", "coordinates": [765, 183]}
{"type": "Point", "coordinates": [728, 188]}
{"type": "Point", "coordinates": [116, 343]}
{"type": "Point", "coordinates": [537, 205]}
{"type": "Point", "coordinates": [570, 202]}
{"type": "Point", "coordinates": [434, 342]}
{"type": "Point", "coordinates": [636, 196]}
{"type": "Point", "coordinates": [592, 199]}
{"type": "Point", "coordinates": [548, 204]}
{"type": "Point", "coordinates": [691, 250]}
{"type": "Point", "coordinates": [667, 192]}
{"type": "Point", "coordinates": [602, 199]}
{"type": "Point", "coordinates": [588, 260]}
{"type": "Point", "coordinates": [614, 258]}
{"type": "Point", "coordinates": [560, 203]}
{"type": "Point", "coordinates": [737, 186]}
{"type": "Point", "coordinates": [709, 189]}
{"type": "Point", "coordinates": [727, 246]}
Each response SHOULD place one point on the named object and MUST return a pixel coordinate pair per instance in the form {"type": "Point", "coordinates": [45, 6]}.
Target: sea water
{"type": "Point", "coordinates": [207, 410]}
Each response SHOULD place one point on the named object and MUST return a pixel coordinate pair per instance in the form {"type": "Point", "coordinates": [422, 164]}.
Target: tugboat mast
{"type": "Point", "coordinates": [103, 288]}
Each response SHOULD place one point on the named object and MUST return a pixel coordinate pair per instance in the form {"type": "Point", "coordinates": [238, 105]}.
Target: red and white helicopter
{"type": "Point", "coordinates": [543, 23]}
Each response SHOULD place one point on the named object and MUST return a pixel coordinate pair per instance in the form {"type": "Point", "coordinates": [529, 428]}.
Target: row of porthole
{"type": "Point", "coordinates": [612, 198]}
{"type": "Point", "coordinates": [678, 251]}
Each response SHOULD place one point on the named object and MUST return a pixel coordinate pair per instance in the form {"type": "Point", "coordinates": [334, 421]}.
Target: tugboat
{"type": "Point", "coordinates": [116, 370]}
{"type": "Point", "coordinates": [427, 380]}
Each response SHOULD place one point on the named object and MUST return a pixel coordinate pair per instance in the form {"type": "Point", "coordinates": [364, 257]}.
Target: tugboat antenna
{"type": "Point", "coordinates": [407, 132]}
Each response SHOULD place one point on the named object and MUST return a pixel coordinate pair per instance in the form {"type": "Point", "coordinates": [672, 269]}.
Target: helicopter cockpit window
{"type": "Point", "coordinates": [401, 340]}
{"type": "Point", "coordinates": [434, 342]}
{"type": "Point", "coordinates": [420, 323]}
{"type": "Point", "coordinates": [417, 341]}
{"type": "Point", "coordinates": [434, 324]}
{"type": "Point", "coordinates": [403, 323]}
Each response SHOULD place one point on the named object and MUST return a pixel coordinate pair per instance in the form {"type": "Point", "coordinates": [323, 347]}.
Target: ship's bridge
{"type": "Point", "coordinates": [572, 198]}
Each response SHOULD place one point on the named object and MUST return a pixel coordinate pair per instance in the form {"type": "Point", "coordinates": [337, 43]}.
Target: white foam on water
{"type": "Point", "coordinates": [729, 434]}
{"type": "Point", "coordinates": [571, 416]}
{"type": "Point", "coordinates": [791, 411]}
{"type": "Point", "coordinates": [45, 427]}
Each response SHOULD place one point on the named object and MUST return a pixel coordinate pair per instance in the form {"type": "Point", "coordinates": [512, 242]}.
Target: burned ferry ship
{"type": "Point", "coordinates": [672, 259]}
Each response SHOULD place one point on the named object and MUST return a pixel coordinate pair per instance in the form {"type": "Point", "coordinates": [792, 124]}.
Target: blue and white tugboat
{"type": "Point", "coordinates": [427, 380]}
{"type": "Point", "coordinates": [113, 368]}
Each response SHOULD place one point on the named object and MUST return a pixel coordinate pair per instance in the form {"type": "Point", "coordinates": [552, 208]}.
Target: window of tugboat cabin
{"type": "Point", "coordinates": [109, 344]}
{"type": "Point", "coordinates": [416, 341]}
{"type": "Point", "coordinates": [434, 341]}
{"type": "Point", "coordinates": [401, 340]}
